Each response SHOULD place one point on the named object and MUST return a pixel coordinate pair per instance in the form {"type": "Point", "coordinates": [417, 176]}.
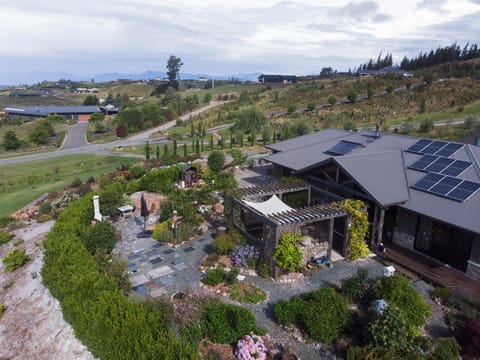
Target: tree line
{"type": "Point", "coordinates": [441, 55]}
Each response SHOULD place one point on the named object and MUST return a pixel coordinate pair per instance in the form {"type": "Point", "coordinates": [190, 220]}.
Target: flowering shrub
{"type": "Point", "coordinates": [243, 253]}
{"type": "Point", "coordinates": [251, 347]}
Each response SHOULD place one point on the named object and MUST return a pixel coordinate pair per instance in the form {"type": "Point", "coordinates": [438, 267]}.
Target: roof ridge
{"type": "Point", "coordinates": [473, 158]}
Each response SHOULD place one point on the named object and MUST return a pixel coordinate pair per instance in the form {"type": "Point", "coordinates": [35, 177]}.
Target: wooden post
{"type": "Point", "coordinates": [330, 242]}
{"type": "Point", "coordinates": [380, 226]}
{"type": "Point", "coordinates": [309, 196]}
{"type": "Point", "coordinates": [346, 234]}
{"type": "Point", "coordinates": [374, 227]}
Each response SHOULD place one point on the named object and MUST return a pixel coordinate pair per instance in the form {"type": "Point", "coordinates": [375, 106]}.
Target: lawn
{"type": "Point", "coordinates": [22, 183]}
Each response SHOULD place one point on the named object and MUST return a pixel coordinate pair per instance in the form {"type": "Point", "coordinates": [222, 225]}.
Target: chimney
{"type": "Point", "coordinates": [96, 209]}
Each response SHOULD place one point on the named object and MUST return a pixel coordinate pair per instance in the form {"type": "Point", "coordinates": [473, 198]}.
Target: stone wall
{"type": "Point", "coordinates": [402, 239]}
{"type": "Point", "coordinates": [473, 270]}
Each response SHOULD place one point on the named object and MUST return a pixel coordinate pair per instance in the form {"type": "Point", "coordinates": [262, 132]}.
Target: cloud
{"type": "Point", "coordinates": [436, 5]}
{"type": "Point", "coordinates": [215, 36]}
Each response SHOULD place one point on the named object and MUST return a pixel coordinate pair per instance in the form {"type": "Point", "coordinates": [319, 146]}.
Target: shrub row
{"type": "Point", "coordinates": [109, 324]}
{"type": "Point", "coordinates": [323, 314]}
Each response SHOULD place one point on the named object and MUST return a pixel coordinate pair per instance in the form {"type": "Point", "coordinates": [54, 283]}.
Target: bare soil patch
{"type": "Point", "coordinates": [33, 326]}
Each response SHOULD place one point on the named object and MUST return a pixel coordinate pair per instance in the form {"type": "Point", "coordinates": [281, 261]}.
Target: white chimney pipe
{"type": "Point", "coordinates": [96, 209]}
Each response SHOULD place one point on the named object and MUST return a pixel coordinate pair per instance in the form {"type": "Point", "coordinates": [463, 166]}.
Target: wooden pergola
{"type": "Point", "coordinates": [276, 223]}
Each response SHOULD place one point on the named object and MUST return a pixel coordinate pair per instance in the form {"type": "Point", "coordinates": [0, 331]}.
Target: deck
{"type": "Point", "coordinates": [412, 264]}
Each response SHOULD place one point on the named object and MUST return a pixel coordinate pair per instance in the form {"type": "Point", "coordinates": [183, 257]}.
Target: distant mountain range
{"type": "Point", "coordinates": [39, 76]}
{"type": "Point", "coordinates": [147, 75]}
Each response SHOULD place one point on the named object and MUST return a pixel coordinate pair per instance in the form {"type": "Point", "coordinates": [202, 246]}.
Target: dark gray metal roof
{"type": "Point", "coordinates": [51, 109]}
{"type": "Point", "coordinates": [305, 140]}
{"type": "Point", "coordinates": [380, 167]}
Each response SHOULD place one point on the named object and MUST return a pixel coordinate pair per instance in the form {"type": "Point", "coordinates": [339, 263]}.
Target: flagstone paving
{"type": "Point", "coordinates": [156, 269]}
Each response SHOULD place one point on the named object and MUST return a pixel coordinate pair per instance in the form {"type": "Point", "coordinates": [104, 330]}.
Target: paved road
{"type": "Point", "coordinates": [76, 136]}
{"type": "Point", "coordinates": [86, 148]}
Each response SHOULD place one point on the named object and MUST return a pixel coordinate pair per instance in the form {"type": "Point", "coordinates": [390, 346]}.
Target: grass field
{"type": "Point", "coordinates": [22, 183]}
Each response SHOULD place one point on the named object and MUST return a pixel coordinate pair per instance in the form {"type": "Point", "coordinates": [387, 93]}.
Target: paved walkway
{"type": "Point", "coordinates": [157, 269]}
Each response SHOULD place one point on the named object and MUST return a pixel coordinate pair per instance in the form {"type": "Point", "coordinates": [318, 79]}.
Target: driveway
{"type": "Point", "coordinates": [76, 136]}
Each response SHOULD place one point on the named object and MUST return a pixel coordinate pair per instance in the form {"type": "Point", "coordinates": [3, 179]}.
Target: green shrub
{"type": "Point", "coordinates": [137, 172]}
{"type": "Point", "coordinates": [100, 236]}
{"type": "Point", "coordinates": [5, 237]}
{"type": "Point", "coordinates": [326, 315]}
{"type": "Point", "coordinates": [355, 287]}
{"type": "Point", "coordinates": [246, 293]}
{"type": "Point", "coordinates": [104, 319]}
{"type": "Point", "coordinates": [231, 276]}
{"type": "Point", "coordinates": [446, 349]}
{"type": "Point", "coordinates": [289, 311]}
{"type": "Point", "coordinates": [224, 243]}
{"type": "Point", "coordinates": [76, 183]}
{"type": "Point", "coordinates": [160, 229]}
{"type": "Point", "coordinates": [216, 161]}
{"type": "Point", "coordinates": [214, 276]}
{"type": "Point", "coordinates": [45, 208]}
{"type": "Point", "coordinates": [440, 292]}
{"type": "Point", "coordinates": [375, 353]}
{"type": "Point", "coordinates": [288, 253]}
{"type": "Point", "coordinates": [191, 333]}
{"type": "Point", "coordinates": [15, 259]}
{"type": "Point", "coordinates": [226, 323]}
{"type": "Point", "coordinates": [18, 242]}
{"type": "Point", "coordinates": [3, 308]}
{"type": "Point", "coordinates": [391, 330]}
{"type": "Point", "coordinates": [5, 220]}
{"type": "Point", "coordinates": [398, 291]}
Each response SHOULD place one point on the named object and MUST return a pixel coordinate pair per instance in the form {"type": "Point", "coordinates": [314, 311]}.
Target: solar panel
{"type": "Point", "coordinates": [342, 147]}
{"type": "Point", "coordinates": [428, 181]}
{"type": "Point", "coordinates": [423, 162]}
{"type": "Point", "coordinates": [445, 185]}
{"type": "Point", "coordinates": [419, 145]}
{"type": "Point", "coordinates": [463, 191]}
{"type": "Point", "coordinates": [434, 147]}
{"type": "Point", "coordinates": [439, 165]}
{"type": "Point", "coordinates": [456, 168]}
{"type": "Point", "coordinates": [449, 149]}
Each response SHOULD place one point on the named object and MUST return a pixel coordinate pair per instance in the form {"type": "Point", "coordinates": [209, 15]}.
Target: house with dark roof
{"type": "Point", "coordinates": [277, 79]}
{"type": "Point", "coordinates": [385, 71]}
{"type": "Point", "coordinates": [80, 113]}
{"type": "Point", "coordinates": [422, 194]}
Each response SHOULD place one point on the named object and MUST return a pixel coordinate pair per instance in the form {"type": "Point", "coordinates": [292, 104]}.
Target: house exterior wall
{"type": "Point", "coordinates": [404, 240]}
{"type": "Point", "coordinates": [83, 117]}
{"type": "Point", "coordinates": [473, 267]}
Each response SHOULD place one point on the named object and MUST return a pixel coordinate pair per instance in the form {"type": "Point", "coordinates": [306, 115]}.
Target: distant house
{"type": "Point", "coordinates": [385, 71]}
{"type": "Point", "coordinates": [277, 79]}
{"type": "Point", "coordinates": [422, 194]}
{"type": "Point", "coordinates": [80, 113]}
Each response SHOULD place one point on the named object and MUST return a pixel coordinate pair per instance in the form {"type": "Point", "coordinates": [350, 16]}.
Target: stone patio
{"type": "Point", "coordinates": [156, 269]}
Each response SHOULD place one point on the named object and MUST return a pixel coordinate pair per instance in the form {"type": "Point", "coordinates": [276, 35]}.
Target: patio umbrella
{"type": "Point", "coordinates": [143, 207]}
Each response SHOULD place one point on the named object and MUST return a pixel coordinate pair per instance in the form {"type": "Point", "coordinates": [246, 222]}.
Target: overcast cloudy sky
{"type": "Point", "coordinates": [53, 38]}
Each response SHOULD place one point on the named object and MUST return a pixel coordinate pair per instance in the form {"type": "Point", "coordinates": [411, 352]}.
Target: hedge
{"type": "Point", "coordinates": [109, 324]}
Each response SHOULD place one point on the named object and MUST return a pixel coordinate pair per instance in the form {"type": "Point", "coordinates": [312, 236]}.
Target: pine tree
{"type": "Point", "coordinates": [147, 151]}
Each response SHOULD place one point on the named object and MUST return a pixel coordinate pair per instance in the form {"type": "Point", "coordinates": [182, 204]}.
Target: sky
{"type": "Point", "coordinates": [49, 39]}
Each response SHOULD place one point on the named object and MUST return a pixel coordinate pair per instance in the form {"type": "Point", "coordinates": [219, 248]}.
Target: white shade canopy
{"type": "Point", "coordinates": [270, 206]}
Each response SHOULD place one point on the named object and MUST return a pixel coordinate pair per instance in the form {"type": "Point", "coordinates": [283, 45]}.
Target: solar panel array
{"type": "Point", "coordinates": [441, 165]}
{"type": "Point", "coordinates": [342, 147]}
{"type": "Point", "coordinates": [435, 147]}
{"type": "Point", "coordinates": [447, 186]}
{"type": "Point", "coordinates": [442, 170]}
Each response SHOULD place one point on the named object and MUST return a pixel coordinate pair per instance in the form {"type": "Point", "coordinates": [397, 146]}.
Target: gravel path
{"type": "Point", "coordinates": [278, 291]}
